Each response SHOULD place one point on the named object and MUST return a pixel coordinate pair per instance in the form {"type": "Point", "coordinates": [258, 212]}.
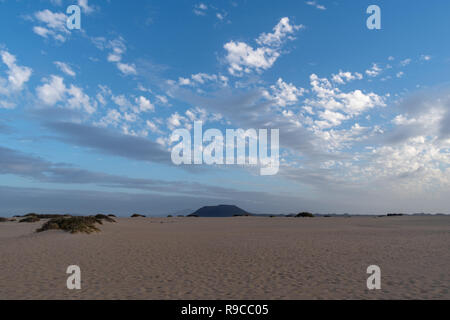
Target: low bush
{"type": "Point", "coordinates": [46, 216]}
{"type": "Point", "coordinates": [305, 215]}
{"type": "Point", "coordinates": [30, 219]}
{"type": "Point", "coordinates": [72, 224]}
{"type": "Point", "coordinates": [104, 217]}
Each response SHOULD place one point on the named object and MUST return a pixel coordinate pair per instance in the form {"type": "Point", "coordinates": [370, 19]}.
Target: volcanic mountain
{"type": "Point", "coordinates": [220, 211]}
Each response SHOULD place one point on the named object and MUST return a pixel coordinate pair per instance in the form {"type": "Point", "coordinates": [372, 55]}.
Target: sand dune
{"type": "Point", "coordinates": [231, 258]}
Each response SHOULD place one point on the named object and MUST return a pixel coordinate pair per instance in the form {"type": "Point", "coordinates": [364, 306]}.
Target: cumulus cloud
{"type": "Point", "coordinates": [54, 91]}
{"type": "Point", "coordinates": [127, 69]}
{"type": "Point", "coordinates": [340, 105]}
{"type": "Point", "coordinates": [53, 24]}
{"type": "Point", "coordinates": [112, 118]}
{"type": "Point", "coordinates": [374, 71]}
{"type": "Point", "coordinates": [201, 79]}
{"type": "Point", "coordinates": [176, 120]}
{"type": "Point", "coordinates": [87, 9]}
{"type": "Point", "coordinates": [284, 94]}
{"type": "Point", "coordinates": [344, 77]}
{"type": "Point", "coordinates": [144, 104]}
{"type": "Point", "coordinates": [243, 58]}
{"type": "Point", "coordinates": [282, 31]}
{"type": "Point", "coordinates": [17, 75]}
{"type": "Point", "coordinates": [118, 49]}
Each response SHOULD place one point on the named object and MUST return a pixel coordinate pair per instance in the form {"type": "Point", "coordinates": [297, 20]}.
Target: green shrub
{"type": "Point", "coordinates": [30, 214]}
{"type": "Point", "coordinates": [72, 224]}
{"type": "Point", "coordinates": [30, 219]}
{"type": "Point", "coordinates": [46, 216]}
{"type": "Point", "coordinates": [137, 216]}
{"type": "Point", "coordinates": [104, 217]}
{"type": "Point", "coordinates": [305, 215]}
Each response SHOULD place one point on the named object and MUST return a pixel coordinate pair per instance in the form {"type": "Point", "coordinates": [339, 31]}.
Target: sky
{"type": "Point", "coordinates": [87, 116]}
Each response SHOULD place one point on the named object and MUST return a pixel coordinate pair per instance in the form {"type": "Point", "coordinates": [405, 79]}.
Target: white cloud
{"type": "Point", "coordinates": [162, 99]}
{"type": "Point", "coordinates": [118, 48]}
{"type": "Point", "coordinates": [85, 6]}
{"type": "Point", "coordinates": [284, 94]}
{"type": "Point", "coordinates": [17, 75]}
{"type": "Point", "coordinates": [201, 78]}
{"type": "Point", "coordinates": [343, 77]}
{"type": "Point", "coordinates": [405, 62]}
{"type": "Point", "coordinates": [330, 119]}
{"type": "Point", "coordinates": [374, 71]}
{"type": "Point", "coordinates": [80, 100]}
{"type": "Point", "coordinates": [7, 104]}
{"type": "Point", "coordinates": [153, 126]}
{"type": "Point", "coordinates": [127, 69]}
{"type": "Point", "coordinates": [64, 67]}
{"type": "Point", "coordinates": [54, 91]}
{"type": "Point", "coordinates": [316, 5]}
{"type": "Point", "coordinates": [243, 58]}
{"type": "Point", "coordinates": [112, 118]}
{"type": "Point", "coordinates": [54, 25]}
{"type": "Point", "coordinates": [200, 9]}
{"type": "Point", "coordinates": [283, 30]}
{"type": "Point", "coordinates": [144, 104]}
{"type": "Point", "coordinates": [175, 121]}
{"type": "Point", "coordinates": [184, 81]}
{"type": "Point", "coordinates": [121, 101]}
{"type": "Point", "coordinates": [112, 57]}
{"type": "Point", "coordinates": [341, 105]}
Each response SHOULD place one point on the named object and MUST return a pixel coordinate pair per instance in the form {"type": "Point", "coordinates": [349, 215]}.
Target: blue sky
{"type": "Point", "coordinates": [86, 115]}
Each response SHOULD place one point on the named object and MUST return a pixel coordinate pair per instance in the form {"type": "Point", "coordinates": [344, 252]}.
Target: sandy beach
{"type": "Point", "coordinates": [230, 258]}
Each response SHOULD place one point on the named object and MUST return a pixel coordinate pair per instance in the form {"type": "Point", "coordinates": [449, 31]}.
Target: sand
{"type": "Point", "coordinates": [231, 258]}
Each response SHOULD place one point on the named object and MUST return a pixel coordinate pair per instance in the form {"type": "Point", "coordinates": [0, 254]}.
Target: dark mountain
{"type": "Point", "coordinates": [219, 212]}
